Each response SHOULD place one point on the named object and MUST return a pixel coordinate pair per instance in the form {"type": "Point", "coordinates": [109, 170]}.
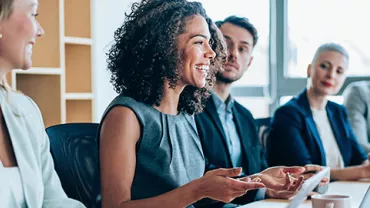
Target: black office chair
{"type": "Point", "coordinates": [75, 153]}
{"type": "Point", "coordinates": [263, 129]}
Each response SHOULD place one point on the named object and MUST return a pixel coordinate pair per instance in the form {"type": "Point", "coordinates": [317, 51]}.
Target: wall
{"type": "Point", "coordinates": [107, 16]}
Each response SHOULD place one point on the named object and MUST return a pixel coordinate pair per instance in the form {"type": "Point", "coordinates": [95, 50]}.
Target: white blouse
{"type": "Point", "coordinates": [11, 188]}
{"type": "Point", "coordinates": [334, 158]}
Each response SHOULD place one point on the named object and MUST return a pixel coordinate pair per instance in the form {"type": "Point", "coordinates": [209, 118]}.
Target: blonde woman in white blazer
{"type": "Point", "coordinates": [27, 175]}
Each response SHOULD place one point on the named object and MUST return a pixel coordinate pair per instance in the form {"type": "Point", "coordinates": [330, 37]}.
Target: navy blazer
{"type": "Point", "coordinates": [214, 144]}
{"type": "Point", "coordinates": [216, 152]}
{"type": "Point", "coordinates": [294, 138]}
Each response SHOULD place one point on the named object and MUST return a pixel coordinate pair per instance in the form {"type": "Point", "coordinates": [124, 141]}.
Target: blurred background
{"type": "Point", "coordinates": [70, 61]}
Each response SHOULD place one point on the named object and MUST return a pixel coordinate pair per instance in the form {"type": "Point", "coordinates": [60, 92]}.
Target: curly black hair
{"type": "Point", "coordinates": [145, 53]}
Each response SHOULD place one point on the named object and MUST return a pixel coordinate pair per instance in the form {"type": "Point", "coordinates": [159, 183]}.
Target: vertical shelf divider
{"type": "Point", "coordinates": [47, 82]}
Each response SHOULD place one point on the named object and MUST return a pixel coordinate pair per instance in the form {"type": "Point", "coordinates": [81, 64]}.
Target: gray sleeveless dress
{"type": "Point", "coordinates": [169, 153]}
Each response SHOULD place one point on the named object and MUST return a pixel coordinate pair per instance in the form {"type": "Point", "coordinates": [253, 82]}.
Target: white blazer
{"type": "Point", "coordinates": [41, 184]}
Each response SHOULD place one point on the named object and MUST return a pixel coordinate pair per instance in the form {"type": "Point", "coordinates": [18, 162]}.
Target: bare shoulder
{"type": "Point", "coordinates": [120, 121]}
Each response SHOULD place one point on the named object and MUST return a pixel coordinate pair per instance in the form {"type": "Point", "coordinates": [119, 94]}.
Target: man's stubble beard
{"type": "Point", "coordinates": [221, 78]}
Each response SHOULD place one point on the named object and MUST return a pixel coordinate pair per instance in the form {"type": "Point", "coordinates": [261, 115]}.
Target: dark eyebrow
{"type": "Point", "coordinates": [242, 42]}
{"type": "Point", "coordinates": [201, 35]}
{"type": "Point", "coordinates": [327, 62]}
{"type": "Point", "coordinates": [331, 65]}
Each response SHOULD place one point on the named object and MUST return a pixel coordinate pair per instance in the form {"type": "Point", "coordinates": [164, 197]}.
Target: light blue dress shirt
{"type": "Point", "coordinates": [224, 111]}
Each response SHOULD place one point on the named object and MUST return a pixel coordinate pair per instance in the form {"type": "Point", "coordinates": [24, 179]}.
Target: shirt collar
{"type": "Point", "coordinates": [228, 104]}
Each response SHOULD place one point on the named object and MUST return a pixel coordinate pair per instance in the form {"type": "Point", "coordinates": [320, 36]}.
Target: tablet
{"type": "Point", "coordinates": [308, 186]}
{"type": "Point", "coordinates": [365, 203]}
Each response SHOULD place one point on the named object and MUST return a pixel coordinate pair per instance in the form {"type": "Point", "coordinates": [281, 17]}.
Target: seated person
{"type": "Point", "coordinates": [357, 102]}
{"type": "Point", "coordinates": [28, 178]}
{"type": "Point", "coordinates": [162, 63]}
{"type": "Point", "coordinates": [309, 129]}
{"type": "Point", "coordinates": [226, 129]}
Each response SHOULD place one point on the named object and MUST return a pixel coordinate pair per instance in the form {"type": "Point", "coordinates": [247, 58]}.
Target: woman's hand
{"type": "Point", "coordinates": [365, 168]}
{"type": "Point", "coordinates": [281, 178]}
{"type": "Point", "coordinates": [280, 182]}
{"type": "Point", "coordinates": [295, 176]}
{"type": "Point", "coordinates": [311, 170]}
{"type": "Point", "coordinates": [218, 185]}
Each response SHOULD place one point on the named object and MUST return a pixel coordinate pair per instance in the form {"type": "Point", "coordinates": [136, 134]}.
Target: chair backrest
{"type": "Point", "coordinates": [75, 153]}
{"type": "Point", "coordinates": [263, 129]}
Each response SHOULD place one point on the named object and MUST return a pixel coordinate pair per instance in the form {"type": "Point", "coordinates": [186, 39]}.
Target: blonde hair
{"type": "Point", "coordinates": [330, 47]}
{"type": "Point", "coordinates": [6, 7]}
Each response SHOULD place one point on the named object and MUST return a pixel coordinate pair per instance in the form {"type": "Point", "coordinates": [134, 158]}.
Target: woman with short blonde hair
{"type": "Point", "coordinates": [310, 129]}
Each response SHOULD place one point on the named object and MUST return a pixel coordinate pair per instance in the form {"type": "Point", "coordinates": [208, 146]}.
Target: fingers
{"type": "Point", "coordinates": [307, 176]}
{"type": "Point", "coordinates": [253, 185]}
{"type": "Point", "coordinates": [290, 188]}
{"type": "Point", "coordinates": [246, 186]}
{"type": "Point", "coordinates": [310, 170]}
{"type": "Point", "coordinates": [297, 184]}
{"type": "Point", "coordinates": [288, 181]}
{"type": "Point", "coordinates": [325, 181]}
{"type": "Point", "coordinates": [291, 184]}
{"type": "Point", "coordinates": [294, 170]}
{"type": "Point", "coordinates": [228, 172]}
{"type": "Point", "coordinates": [257, 180]}
{"type": "Point", "coordinates": [313, 168]}
{"type": "Point", "coordinates": [240, 187]}
{"type": "Point", "coordinates": [247, 179]}
{"type": "Point", "coordinates": [281, 184]}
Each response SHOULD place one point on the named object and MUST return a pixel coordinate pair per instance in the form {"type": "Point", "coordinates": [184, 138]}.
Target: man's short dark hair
{"type": "Point", "coordinates": [243, 23]}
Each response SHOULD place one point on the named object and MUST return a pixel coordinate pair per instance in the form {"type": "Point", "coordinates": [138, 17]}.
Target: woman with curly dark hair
{"type": "Point", "coordinates": [163, 62]}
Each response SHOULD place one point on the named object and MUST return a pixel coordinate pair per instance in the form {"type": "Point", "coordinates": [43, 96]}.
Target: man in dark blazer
{"type": "Point", "coordinates": [227, 130]}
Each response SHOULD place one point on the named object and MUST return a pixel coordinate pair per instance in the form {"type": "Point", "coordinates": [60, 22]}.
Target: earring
{"type": "Point", "coordinates": [1, 35]}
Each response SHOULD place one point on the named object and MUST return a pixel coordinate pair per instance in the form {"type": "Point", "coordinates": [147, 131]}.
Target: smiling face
{"type": "Point", "coordinates": [196, 52]}
{"type": "Point", "coordinates": [240, 46]}
{"type": "Point", "coordinates": [20, 31]}
{"type": "Point", "coordinates": [328, 72]}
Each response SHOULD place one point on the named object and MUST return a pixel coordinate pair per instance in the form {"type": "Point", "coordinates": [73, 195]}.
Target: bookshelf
{"type": "Point", "coordinates": [60, 81]}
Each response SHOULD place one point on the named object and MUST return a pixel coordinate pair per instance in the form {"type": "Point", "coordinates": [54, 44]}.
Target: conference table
{"type": "Point", "coordinates": [355, 189]}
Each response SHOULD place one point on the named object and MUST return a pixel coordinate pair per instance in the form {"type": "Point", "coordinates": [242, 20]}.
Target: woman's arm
{"type": "Point", "coordinates": [348, 174]}
{"type": "Point", "coordinates": [118, 137]}
{"type": "Point", "coordinates": [353, 172]}
{"type": "Point", "coordinates": [360, 167]}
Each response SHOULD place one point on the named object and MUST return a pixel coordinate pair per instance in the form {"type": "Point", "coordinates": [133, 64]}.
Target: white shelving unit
{"type": "Point", "coordinates": [79, 96]}
{"type": "Point", "coordinates": [60, 81]}
{"type": "Point", "coordinates": [78, 41]}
